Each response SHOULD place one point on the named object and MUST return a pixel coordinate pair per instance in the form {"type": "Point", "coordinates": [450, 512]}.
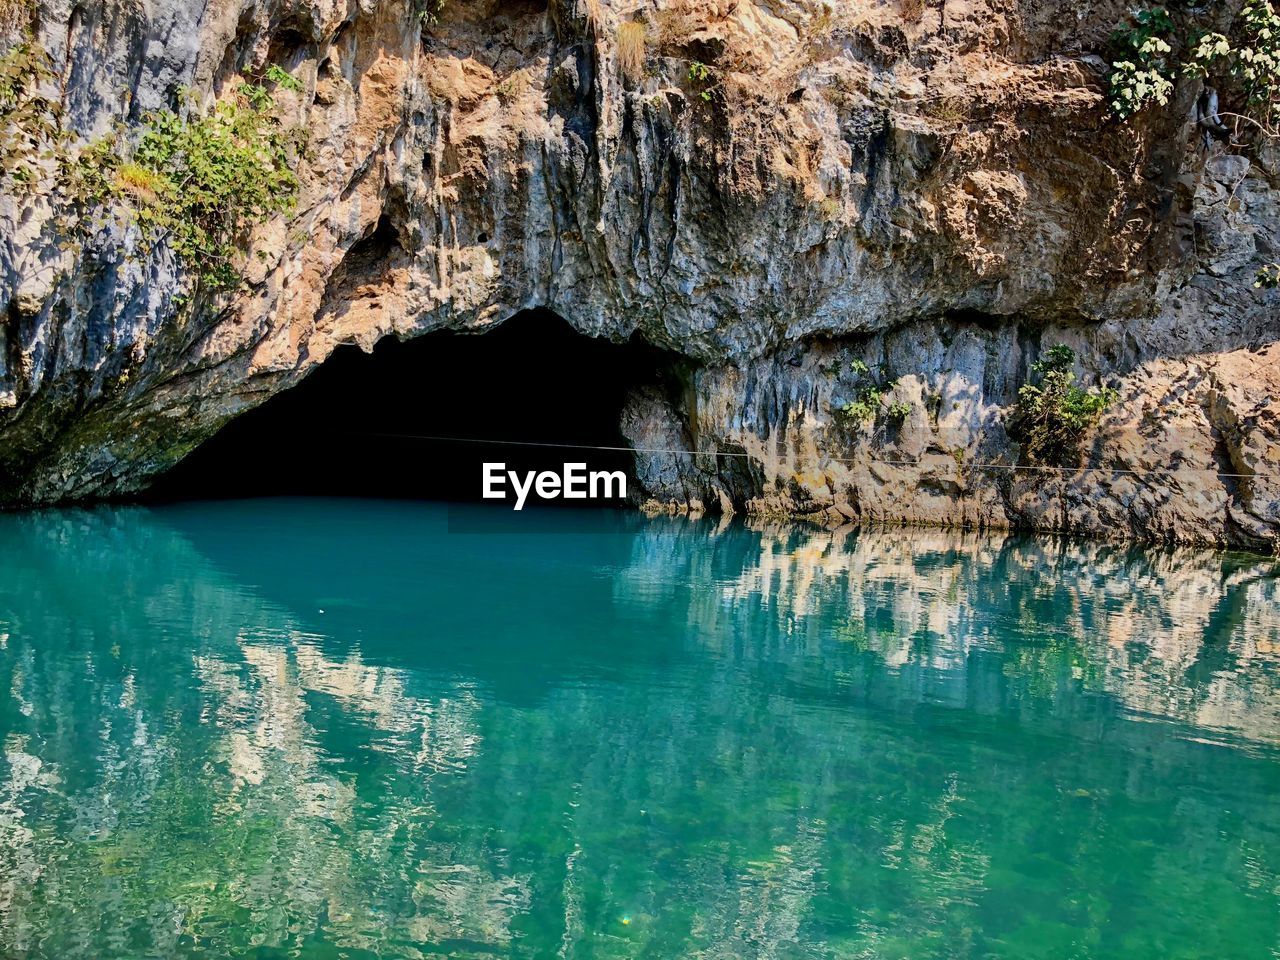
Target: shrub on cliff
{"type": "Point", "coordinates": [1052, 414]}
{"type": "Point", "coordinates": [1144, 72]}
{"type": "Point", "coordinates": [1155, 49]}
{"type": "Point", "coordinates": [195, 179]}
{"type": "Point", "coordinates": [869, 399]}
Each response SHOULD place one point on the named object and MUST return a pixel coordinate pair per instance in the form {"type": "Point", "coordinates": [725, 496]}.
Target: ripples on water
{"type": "Point", "coordinates": [336, 729]}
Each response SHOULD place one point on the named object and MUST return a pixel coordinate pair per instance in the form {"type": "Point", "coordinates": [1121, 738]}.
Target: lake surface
{"type": "Point", "coordinates": [311, 728]}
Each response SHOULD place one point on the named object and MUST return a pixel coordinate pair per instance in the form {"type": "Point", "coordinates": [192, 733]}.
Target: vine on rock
{"type": "Point", "coordinates": [30, 122]}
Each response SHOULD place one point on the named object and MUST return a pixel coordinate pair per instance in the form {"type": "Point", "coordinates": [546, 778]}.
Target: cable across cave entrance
{"type": "Point", "coordinates": [350, 428]}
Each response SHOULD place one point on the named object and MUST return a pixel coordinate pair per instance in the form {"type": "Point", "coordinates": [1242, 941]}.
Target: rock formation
{"type": "Point", "coordinates": [781, 188]}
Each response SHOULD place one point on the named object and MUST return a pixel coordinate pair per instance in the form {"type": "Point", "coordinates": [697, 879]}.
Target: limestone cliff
{"type": "Point", "coordinates": [933, 188]}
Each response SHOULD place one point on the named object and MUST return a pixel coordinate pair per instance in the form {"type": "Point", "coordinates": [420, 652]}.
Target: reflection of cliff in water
{"type": "Point", "coordinates": [1180, 634]}
{"type": "Point", "coordinates": [244, 704]}
{"type": "Point", "coordinates": [1188, 635]}
{"type": "Point", "coordinates": [1184, 634]}
{"type": "Point", "coordinates": [275, 764]}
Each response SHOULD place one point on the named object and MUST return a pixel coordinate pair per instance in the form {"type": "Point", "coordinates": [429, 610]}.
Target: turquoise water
{"type": "Point", "coordinates": [338, 729]}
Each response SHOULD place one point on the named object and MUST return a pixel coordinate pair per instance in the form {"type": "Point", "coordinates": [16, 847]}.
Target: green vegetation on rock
{"type": "Point", "coordinates": [869, 399]}
{"type": "Point", "coordinates": [700, 76]}
{"type": "Point", "coordinates": [1156, 48]}
{"type": "Point", "coordinates": [29, 121]}
{"type": "Point", "coordinates": [1053, 414]}
{"type": "Point", "coordinates": [428, 11]}
{"type": "Point", "coordinates": [1143, 74]}
{"type": "Point", "coordinates": [196, 179]}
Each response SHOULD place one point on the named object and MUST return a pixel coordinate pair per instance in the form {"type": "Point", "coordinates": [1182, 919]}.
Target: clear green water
{"type": "Point", "coordinates": [591, 735]}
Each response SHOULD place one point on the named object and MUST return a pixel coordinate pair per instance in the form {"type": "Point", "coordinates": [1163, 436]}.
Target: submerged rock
{"type": "Point", "coordinates": [934, 190]}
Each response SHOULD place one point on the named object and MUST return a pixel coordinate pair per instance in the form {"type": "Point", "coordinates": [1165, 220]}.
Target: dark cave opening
{"type": "Point", "coordinates": [357, 425]}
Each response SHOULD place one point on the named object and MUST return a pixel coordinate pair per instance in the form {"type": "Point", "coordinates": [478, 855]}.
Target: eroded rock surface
{"type": "Point", "coordinates": [935, 189]}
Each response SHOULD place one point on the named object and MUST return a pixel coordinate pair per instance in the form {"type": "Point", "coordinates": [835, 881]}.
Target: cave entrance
{"type": "Point", "coordinates": [356, 426]}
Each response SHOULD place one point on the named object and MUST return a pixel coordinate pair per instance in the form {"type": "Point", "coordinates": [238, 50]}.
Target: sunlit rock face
{"type": "Point", "coordinates": [942, 195]}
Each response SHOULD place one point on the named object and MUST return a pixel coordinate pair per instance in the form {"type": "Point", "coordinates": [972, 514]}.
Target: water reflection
{"type": "Point", "coordinates": [285, 728]}
{"type": "Point", "coordinates": [1183, 634]}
